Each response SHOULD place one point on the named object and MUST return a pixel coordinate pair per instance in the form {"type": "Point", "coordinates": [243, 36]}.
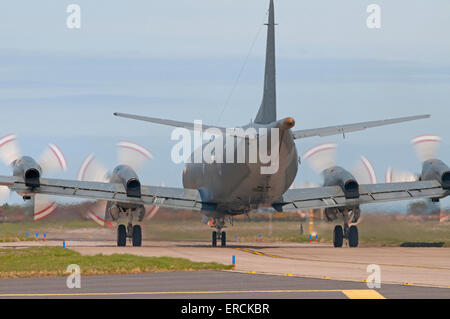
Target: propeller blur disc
{"type": "Point", "coordinates": [321, 157]}
{"type": "Point", "coordinates": [364, 172]}
{"type": "Point", "coordinates": [426, 146]}
{"type": "Point", "coordinates": [130, 154]}
{"type": "Point", "coordinates": [97, 213]}
{"type": "Point", "coordinates": [308, 185]}
{"type": "Point", "coordinates": [9, 149]}
{"type": "Point", "coordinates": [133, 155]}
{"type": "Point", "coordinates": [151, 211]}
{"type": "Point", "coordinates": [53, 160]}
{"type": "Point", "coordinates": [92, 170]}
{"type": "Point", "coordinates": [44, 206]}
{"type": "Point", "coordinates": [398, 176]}
{"type": "Point", "coordinates": [5, 192]}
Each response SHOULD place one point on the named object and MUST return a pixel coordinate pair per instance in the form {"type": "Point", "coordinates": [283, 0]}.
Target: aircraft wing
{"type": "Point", "coordinates": [151, 195]}
{"type": "Point", "coordinates": [292, 200]}
{"type": "Point", "coordinates": [333, 196]}
{"type": "Point", "coordinates": [347, 128]}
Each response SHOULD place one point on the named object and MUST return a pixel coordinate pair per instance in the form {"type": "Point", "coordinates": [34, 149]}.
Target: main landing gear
{"type": "Point", "coordinates": [350, 233]}
{"type": "Point", "coordinates": [218, 234]}
{"type": "Point", "coordinates": [133, 232]}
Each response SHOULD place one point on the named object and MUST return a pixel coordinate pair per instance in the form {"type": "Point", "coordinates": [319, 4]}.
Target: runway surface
{"type": "Point", "coordinates": [263, 270]}
{"type": "Point", "coordinates": [208, 285]}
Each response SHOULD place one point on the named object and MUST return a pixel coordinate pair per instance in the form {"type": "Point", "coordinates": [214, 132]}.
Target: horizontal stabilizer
{"type": "Point", "coordinates": [186, 125]}
{"type": "Point", "coordinates": [347, 128]}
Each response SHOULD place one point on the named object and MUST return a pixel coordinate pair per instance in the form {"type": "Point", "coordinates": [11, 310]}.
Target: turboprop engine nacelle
{"type": "Point", "coordinates": [27, 168]}
{"type": "Point", "coordinates": [337, 176]}
{"type": "Point", "coordinates": [435, 169]}
{"type": "Point", "coordinates": [128, 178]}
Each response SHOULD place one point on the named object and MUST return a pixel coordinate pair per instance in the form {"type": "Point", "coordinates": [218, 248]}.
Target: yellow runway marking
{"type": "Point", "coordinates": [254, 252]}
{"type": "Point", "coordinates": [363, 294]}
{"type": "Point", "coordinates": [357, 294]}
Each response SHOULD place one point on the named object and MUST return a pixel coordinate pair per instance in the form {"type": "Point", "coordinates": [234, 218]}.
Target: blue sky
{"type": "Point", "coordinates": [180, 59]}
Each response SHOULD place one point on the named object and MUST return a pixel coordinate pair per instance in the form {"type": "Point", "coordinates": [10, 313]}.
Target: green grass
{"type": "Point", "coordinates": [53, 261]}
{"type": "Point", "coordinates": [11, 232]}
{"type": "Point", "coordinates": [373, 231]}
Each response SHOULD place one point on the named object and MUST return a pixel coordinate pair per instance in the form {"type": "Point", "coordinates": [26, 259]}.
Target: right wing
{"type": "Point", "coordinates": [347, 128]}
{"type": "Point", "coordinates": [151, 195]}
{"type": "Point", "coordinates": [333, 196]}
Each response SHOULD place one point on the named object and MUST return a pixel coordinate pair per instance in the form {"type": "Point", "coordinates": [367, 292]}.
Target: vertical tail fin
{"type": "Point", "coordinates": [268, 110]}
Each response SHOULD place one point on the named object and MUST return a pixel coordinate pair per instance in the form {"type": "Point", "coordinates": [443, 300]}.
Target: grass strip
{"type": "Point", "coordinates": [53, 261]}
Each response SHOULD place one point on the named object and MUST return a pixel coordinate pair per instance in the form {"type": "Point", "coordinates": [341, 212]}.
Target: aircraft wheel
{"type": "Point", "coordinates": [121, 236]}
{"type": "Point", "coordinates": [224, 239]}
{"type": "Point", "coordinates": [338, 236]}
{"type": "Point", "coordinates": [214, 239]}
{"type": "Point", "coordinates": [137, 236]}
{"type": "Point", "coordinates": [353, 236]}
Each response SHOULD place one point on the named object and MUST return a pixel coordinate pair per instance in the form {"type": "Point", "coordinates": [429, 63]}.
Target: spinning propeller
{"type": "Point", "coordinates": [322, 158]}
{"type": "Point", "coordinates": [131, 157]}
{"type": "Point", "coordinates": [426, 147]}
{"type": "Point", "coordinates": [52, 160]}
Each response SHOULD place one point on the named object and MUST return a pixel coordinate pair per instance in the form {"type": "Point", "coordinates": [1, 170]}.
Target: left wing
{"type": "Point", "coordinates": [151, 195]}
{"type": "Point", "coordinates": [333, 196]}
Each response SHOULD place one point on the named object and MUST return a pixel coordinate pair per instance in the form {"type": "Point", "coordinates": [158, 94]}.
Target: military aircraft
{"type": "Point", "coordinates": [219, 189]}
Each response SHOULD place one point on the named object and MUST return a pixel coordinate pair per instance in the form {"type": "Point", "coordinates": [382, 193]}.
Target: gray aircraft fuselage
{"type": "Point", "coordinates": [237, 188]}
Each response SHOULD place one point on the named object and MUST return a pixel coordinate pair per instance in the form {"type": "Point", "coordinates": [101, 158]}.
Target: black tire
{"type": "Point", "coordinates": [137, 236]}
{"type": "Point", "coordinates": [224, 239]}
{"type": "Point", "coordinates": [353, 236]}
{"type": "Point", "coordinates": [214, 239]}
{"type": "Point", "coordinates": [338, 236]}
{"type": "Point", "coordinates": [121, 236]}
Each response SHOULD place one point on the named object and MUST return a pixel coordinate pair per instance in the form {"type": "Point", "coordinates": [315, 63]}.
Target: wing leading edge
{"type": "Point", "coordinates": [292, 200]}
{"type": "Point", "coordinates": [151, 195]}
{"type": "Point", "coordinates": [333, 196]}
